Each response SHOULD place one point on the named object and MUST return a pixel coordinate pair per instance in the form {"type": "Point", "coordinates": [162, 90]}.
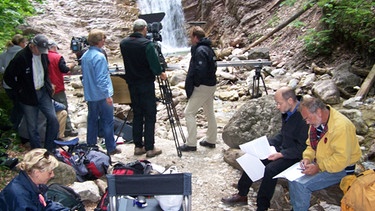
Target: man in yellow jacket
{"type": "Point", "coordinates": [331, 153]}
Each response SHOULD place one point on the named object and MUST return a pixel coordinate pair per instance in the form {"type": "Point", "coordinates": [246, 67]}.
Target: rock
{"type": "Point", "coordinates": [253, 120]}
{"type": "Point", "coordinates": [64, 174]}
{"type": "Point", "coordinates": [88, 190]}
{"type": "Point", "coordinates": [327, 91]}
{"type": "Point", "coordinates": [356, 117]}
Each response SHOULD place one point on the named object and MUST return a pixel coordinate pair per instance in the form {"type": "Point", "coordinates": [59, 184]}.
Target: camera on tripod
{"type": "Point", "coordinates": [153, 30]}
{"type": "Point", "coordinates": [154, 25]}
{"type": "Point", "coordinates": [78, 44]}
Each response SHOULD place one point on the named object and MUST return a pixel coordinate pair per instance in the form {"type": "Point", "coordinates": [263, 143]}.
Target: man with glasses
{"type": "Point", "coordinates": [331, 153]}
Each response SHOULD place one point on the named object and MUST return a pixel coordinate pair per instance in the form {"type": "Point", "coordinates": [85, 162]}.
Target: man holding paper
{"type": "Point", "coordinates": [331, 153]}
{"type": "Point", "coordinates": [289, 144]}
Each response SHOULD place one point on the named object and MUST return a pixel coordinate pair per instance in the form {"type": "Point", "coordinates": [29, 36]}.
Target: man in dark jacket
{"type": "Point", "coordinates": [27, 74]}
{"type": "Point", "coordinates": [200, 86]}
{"type": "Point", "coordinates": [289, 144]}
{"type": "Point", "coordinates": [141, 66]}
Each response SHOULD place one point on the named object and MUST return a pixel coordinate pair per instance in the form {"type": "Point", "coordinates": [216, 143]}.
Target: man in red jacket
{"type": "Point", "coordinates": [57, 67]}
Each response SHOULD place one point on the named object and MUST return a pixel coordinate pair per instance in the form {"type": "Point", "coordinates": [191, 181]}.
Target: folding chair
{"type": "Point", "coordinates": [121, 95]}
{"type": "Point", "coordinates": [147, 185]}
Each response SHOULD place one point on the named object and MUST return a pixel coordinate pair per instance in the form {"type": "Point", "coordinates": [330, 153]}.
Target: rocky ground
{"type": "Point", "coordinates": [212, 177]}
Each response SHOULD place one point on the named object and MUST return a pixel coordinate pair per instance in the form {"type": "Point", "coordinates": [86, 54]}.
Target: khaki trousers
{"type": "Point", "coordinates": [203, 96]}
{"type": "Point", "coordinates": [61, 118]}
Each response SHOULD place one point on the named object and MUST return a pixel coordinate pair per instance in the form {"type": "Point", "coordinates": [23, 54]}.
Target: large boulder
{"type": "Point", "coordinates": [254, 119]}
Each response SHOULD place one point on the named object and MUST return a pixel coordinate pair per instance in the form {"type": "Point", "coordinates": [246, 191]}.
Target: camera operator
{"type": "Point", "coordinates": [141, 66]}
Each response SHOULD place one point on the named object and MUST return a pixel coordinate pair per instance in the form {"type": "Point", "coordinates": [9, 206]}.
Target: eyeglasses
{"type": "Point", "coordinates": [45, 155]}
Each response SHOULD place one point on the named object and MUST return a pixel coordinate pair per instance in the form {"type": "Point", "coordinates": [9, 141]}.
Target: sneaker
{"type": "Point", "coordinates": [206, 144]}
{"type": "Point", "coordinates": [116, 151]}
{"type": "Point", "coordinates": [139, 151]}
{"type": "Point", "coordinates": [186, 148]}
{"type": "Point", "coordinates": [70, 133]}
{"type": "Point", "coordinates": [235, 199]}
{"type": "Point", "coordinates": [153, 153]}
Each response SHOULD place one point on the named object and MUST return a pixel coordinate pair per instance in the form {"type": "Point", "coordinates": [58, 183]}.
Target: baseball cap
{"type": "Point", "coordinates": [41, 41]}
{"type": "Point", "coordinates": [52, 43]}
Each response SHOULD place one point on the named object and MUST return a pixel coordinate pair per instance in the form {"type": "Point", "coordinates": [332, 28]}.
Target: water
{"type": "Point", "coordinates": [174, 35]}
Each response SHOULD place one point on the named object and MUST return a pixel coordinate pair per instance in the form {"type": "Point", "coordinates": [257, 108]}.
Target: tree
{"type": "Point", "coordinates": [12, 14]}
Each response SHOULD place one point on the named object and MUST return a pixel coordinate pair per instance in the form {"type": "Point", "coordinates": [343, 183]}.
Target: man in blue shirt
{"type": "Point", "coordinates": [98, 91]}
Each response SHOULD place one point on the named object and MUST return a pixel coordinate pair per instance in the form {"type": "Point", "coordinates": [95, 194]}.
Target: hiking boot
{"type": "Point", "coordinates": [186, 148]}
{"type": "Point", "coordinates": [206, 144]}
{"type": "Point", "coordinates": [116, 151]}
{"type": "Point", "coordinates": [70, 133]}
{"type": "Point", "coordinates": [139, 151]}
{"type": "Point", "coordinates": [235, 199]}
{"type": "Point", "coordinates": [153, 153]}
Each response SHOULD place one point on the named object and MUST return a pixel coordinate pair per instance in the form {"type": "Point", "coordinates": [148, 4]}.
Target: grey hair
{"type": "Point", "coordinates": [312, 103]}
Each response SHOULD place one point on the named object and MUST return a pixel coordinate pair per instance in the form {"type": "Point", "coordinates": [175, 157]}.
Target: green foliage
{"type": "Point", "coordinates": [297, 24]}
{"type": "Point", "coordinates": [318, 42]}
{"type": "Point", "coordinates": [12, 14]}
{"type": "Point", "coordinates": [274, 21]}
{"type": "Point", "coordinates": [288, 2]}
{"type": "Point", "coordinates": [345, 21]}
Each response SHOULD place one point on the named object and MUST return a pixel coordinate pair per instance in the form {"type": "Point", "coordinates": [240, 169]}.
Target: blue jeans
{"type": "Point", "coordinates": [31, 116]}
{"type": "Point", "coordinates": [144, 109]}
{"type": "Point", "coordinates": [104, 112]}
{"type": "Point", "coordinates": [300, 190]}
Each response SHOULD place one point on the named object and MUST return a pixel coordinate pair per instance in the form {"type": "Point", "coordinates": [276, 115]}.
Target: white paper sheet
{"type": "Point", "coordinates": [292, 173]}
{"type": "Point", "coordinates": [253, 167]}
{"type": "Point", "coordinates": [258, 147]}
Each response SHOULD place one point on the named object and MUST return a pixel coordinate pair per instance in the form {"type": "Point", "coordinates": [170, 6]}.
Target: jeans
{"type": "Point", "coordinates": [31, 116]}
{"type": "Point", "coordinates": [267, 187]}
{"type": "Point", "coordinates": [104, 112]}
{"type": "Point", "coordinates": [300, 190]}
{"type": "Point", "coordinates": [144, 110]}
{"type": "Point", "coordinates": [203, 96]}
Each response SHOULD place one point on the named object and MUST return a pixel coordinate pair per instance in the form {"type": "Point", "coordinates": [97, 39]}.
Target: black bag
{"type": "Point", "coordinates": [135, 167]}
{"type": "Point", "coordinates": [66, 196]}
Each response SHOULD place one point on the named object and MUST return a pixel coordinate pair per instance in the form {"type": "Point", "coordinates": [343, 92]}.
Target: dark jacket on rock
{"type": "Point", "coordinates": [19, 76]}
{"type": "Point", "coordinates": [22, 194]}
{"type": "Point", "coordinates": [202, 67]}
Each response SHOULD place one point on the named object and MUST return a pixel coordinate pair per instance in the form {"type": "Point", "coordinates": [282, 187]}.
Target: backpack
{"type": "Point", "coordinates": [89, 163]}
{"type": "Point", "coordinates": [135, 167]}
{"type": "Point", "coordinates": [359, 191]}
{"type": "Point", "coordinates": [66, 196]}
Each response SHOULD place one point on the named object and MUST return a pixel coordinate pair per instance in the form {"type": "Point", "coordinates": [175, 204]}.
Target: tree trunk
{"type": "Point", "coordinates": [281, 26]}
{"type": "Point", "coordinates": [366, 85]}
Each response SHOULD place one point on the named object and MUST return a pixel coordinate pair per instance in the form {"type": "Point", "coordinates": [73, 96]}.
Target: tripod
{"type": "Point", "coordinates": [258, 75]}
{"type": "Point", "coordinates": [166, 98]}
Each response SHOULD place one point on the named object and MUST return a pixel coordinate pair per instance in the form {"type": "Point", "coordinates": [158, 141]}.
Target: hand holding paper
{"type": "Point", "coordinates": [256, 150]}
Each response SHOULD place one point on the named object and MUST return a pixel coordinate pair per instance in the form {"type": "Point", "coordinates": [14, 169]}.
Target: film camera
{"type": "Point", "coordinates": [79, 45]}
{"type": "Point", "coordinates": [154, 25]}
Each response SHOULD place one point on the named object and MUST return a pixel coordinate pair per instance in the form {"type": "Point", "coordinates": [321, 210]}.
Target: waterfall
{"type": "Point", "coordinates": [174, 35]}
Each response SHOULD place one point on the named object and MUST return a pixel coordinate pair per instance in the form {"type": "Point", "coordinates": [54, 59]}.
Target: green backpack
{"type": "Point", "coordinates": [66, 196]}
